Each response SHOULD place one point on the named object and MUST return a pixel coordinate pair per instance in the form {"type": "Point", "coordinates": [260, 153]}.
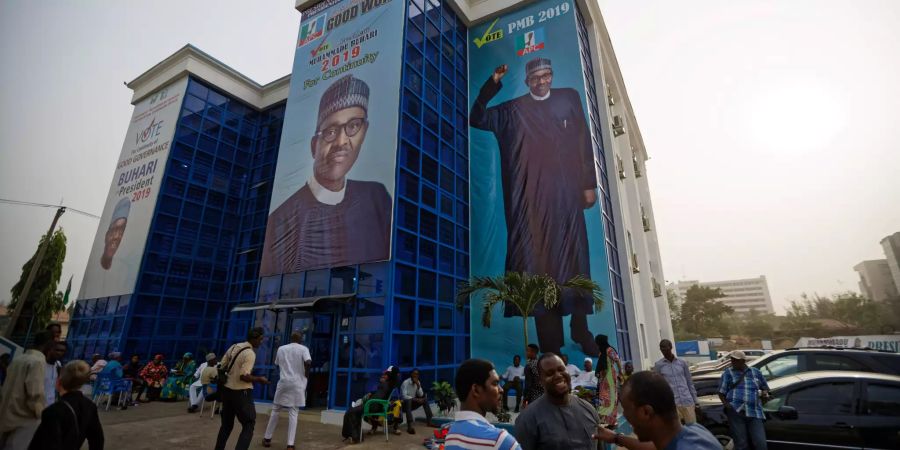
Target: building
{"type": "Point", "coordinates": [211, 239]}
{"type": "Point", "coordinates": [742, 295]}
{"type": "Point", "coordinates": [891, 245]}
{"type": "Point", "coordinates": [875, 281]}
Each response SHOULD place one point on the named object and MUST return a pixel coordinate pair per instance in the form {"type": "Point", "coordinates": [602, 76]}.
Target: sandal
{"type": "Point", "coordinates": [267, 442]}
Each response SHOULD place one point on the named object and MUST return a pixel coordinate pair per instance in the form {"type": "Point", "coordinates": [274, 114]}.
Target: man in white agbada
{"type": "Point", "coordinates": [294, 362]}
{"type": "Point", "coordinates": [195, 392]}
{"type": "Point", "coordinates": [587, 378]}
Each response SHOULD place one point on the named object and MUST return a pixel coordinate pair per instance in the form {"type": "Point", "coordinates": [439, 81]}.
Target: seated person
{"type": "Point", "coordinates": [152, 376]}
{"type": "Point", "coordinates": [353, 417]}
{"type": "Point", "coordinates": [114, 366]}
{"type": "Point", "coordinates": [413, 397]}
{"type": "Point", "coordinates": [571, 369]}
{"type": "Point", "coordinates": [200, 388]}
{"type": "Point", "coordinates": [586, 379]}
{"type": "Point", "coordinates": [514, 378]}
{"type": "Point", "coordinates": [182, 375]}
{"type": "Point", "coordinates": [97, 365]}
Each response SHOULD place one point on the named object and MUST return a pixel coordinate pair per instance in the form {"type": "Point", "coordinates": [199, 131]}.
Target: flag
{"type": "Point", "coordinates": [68, 289]}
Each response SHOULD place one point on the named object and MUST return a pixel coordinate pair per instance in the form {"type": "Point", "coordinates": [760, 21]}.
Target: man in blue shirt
{"type": "Point", "coordinates": [479, 391]}
{"type": "Point", "coordinates": [649, 405]}
{"type": "Point", "coordinates": [742, 391]}
{"type": "Point", "coordinates": [678, 374]}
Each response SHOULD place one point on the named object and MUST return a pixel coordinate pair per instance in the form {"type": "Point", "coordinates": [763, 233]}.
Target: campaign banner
{"type": "Point", "coordinates": [122, 234]}
{"type": "Point", "coordinates": [886, 342]}
{"type": "Point", "coordinates": [332, 199]}
{"type": "Point", "coordinates": [534, 199]}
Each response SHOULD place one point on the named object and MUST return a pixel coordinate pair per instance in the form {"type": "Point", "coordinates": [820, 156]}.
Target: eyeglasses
{"type": "Point", "coordinates": [545, 78]}
{"type": "Point", "coordinates": [351, 128]}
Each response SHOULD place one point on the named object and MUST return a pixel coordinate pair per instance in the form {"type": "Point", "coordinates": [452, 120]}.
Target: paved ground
{"type": "Point", "coordinates": [168, 426]}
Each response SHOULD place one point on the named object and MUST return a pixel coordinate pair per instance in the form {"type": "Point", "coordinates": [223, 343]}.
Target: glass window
{"type": "Point", "coordinates": [427, 282]}
{"type": "Point", "coordinates": [426, 317]}
{"type": "Point", "coordinates": [404, 314]}
{"type": "Point", "coordinates": [424, 351]}
{"type": "Point", "coordinates": [343, 280]}
{"type": "Point", "coordinates": [833, 362]}
{"type": "Point", "coordinates": [368, 351]}
{"type": "Point", "coordinates": [883, 400]}
{"type": "Point", "coordinates": [779, 367]}
{"type": "Point", "coordinates": [370, 314]}
{"type": "Point", "coordinates": [825, 398]}
{"type": "Point", "coordinates": [403, 349]}
{"type": "Point", "coordinates": [445, 319]}
{"type": "Point", "coordinates": [372, 278]}
{"type": "Point", "coordinates": [291, 284]}
{"type": "Point", "coordinates": [316, 283]}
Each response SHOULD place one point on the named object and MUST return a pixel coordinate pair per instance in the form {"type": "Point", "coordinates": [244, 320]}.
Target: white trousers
{"type": "Point", "coordinates": [196, 394]}
{"type": "Point", "coordinates": [19, 438]}
{"type": "Point", "coordinates": [292, 422]}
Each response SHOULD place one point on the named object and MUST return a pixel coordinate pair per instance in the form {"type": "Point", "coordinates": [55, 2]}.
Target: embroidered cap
{"type": "Point", "coordinates": [121, 210]}
{"type": "Point", "coordinates": [344, 93]}
{"type": "Point", "coordinates": [537, 64]}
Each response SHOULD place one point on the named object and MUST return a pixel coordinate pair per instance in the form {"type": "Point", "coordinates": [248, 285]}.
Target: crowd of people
{"type": "Point", "coordinates": [43, 404]}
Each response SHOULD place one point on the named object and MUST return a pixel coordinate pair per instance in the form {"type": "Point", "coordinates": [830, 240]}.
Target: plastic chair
{"type": "Point", "coordinates": [214, 388]}
{"type": "Point", "coordinates": [384, 413]}
{"type": "Point", "coordinates": [105, 384]}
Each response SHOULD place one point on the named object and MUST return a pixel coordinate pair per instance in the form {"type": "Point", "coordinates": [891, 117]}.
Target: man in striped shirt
{"type": "Point", "coordinates": [742, 390]}
{"type": "Point", "coordinates": [479, 391]}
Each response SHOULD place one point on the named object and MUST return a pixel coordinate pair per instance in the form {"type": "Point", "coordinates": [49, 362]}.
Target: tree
{"type": "Point", "coordinates": [862, 315]}
{"type": "Point", "coordinates": [701, 315]}
{"type": "Point", "coordinates": [43, 298]}
{"type": "Point", "coordinates": [525, 292]}
{"type": "Point", "coordinates": [756, 325]}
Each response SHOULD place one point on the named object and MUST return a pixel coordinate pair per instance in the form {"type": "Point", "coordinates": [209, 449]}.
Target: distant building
{"type": "Point", "coordinates": [742, 295]}
{"type": "Point", "coordinates": [891, 245]}
{"type": "Point", "coordinates": [875, 281]}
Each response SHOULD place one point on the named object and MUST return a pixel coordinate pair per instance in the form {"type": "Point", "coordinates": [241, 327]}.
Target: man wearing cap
{"type": "Point", "coordinates": [115, 232]}
{"type": "Point", "coordinates": [548, 178]}
{"type": "Point", "coordinates": [743, 390]}
{"type": "Point", "coordinates": [195, 392]}
{"type": "Point", "coordinates": [332, 220]}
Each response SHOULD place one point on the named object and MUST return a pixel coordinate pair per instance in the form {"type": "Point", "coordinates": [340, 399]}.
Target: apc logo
{"type": "Point", "coordinates": [530, 42]}
{"type": "Point", "coordinates": [312, 30]}
{"type": "Point", "coordinates": [161, 95]}
{"type": "Point", "coordinates": [489, 35]}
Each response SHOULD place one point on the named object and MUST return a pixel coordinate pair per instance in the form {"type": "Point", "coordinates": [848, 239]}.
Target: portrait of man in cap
{"type": "Point", "coordinates": [115, 232]}
{"type": "Point", "coordinates": [332, 220]}
{"type": "Point", "coordinates": [548, 179]}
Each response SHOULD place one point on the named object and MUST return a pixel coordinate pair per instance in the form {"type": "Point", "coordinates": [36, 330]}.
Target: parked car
{"type": "Point", "coordinates": [796, 360]}
{"type": "Point", "coordinates": [751, 352]}
{"type": "Point", "coordinates": [823, 409]}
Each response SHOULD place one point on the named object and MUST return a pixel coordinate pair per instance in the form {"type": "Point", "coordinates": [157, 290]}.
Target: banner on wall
{"type": "Point", "coordinates": [332, 198]}
{"type": "Point", "coordinates": [534, 183]}
{"type": "Point", "coordinates": [122, 234]}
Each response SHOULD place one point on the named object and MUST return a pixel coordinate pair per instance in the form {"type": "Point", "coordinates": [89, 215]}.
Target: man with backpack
{"type": "Point", "coordinates": [235, 383]}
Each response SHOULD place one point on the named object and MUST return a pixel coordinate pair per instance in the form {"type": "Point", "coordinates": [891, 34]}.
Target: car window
{"type": "Point", "coordinates": [774, 403]}
{"type": "Point", "coordinates": [824, 398]}
{"type": "Point", "coordinates": [834, 362]}
{"type": "Point", "coordinates": [779, 367]}
{"type": "Point", "coordinates": [883, 400]}
{"type": "Point", "coordinates": [891, 362]}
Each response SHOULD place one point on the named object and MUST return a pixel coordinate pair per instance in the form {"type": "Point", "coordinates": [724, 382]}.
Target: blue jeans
{"type": "Point", "coordinates": [743, 427]}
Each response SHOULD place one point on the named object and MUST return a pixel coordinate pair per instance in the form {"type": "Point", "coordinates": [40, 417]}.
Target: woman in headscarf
{"type": "Point", "coordinates": [181, 377]}
{"type": "Point", "coordinates": [609, 372]}
{"type": "Point", "coordinates": [153, 376]}
{"type": "Point", "coordinates": [389, 380]}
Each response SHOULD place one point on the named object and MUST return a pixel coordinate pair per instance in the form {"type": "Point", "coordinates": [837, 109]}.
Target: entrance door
{"type": "Point", "coordinates": [318, 333]}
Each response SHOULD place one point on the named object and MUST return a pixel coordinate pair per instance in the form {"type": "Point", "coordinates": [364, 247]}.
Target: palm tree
{"type": "Point", "coordinates": [525, 292]}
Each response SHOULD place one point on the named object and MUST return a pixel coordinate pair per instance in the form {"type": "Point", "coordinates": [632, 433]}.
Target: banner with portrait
{"type": "Point", "coordinates": [534, 198]}
{"type": "Point", "coordinates": [122, 234]}
{"type": "Point", "coordinates": [332, 199]}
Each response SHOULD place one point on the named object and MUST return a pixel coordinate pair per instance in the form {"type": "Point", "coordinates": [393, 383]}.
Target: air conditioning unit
{"type": "Point", "coordinates": [618, 126]}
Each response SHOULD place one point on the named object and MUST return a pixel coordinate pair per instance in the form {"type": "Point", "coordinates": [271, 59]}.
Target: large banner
{"type": "Point", "coordinates": [334, 182]}
{"type": "Point", "coordinates": [119, 245]}
{"type": "Point", "coordinates": [534, 196]}
{"type": "Point", "coordinates": [886, 342]}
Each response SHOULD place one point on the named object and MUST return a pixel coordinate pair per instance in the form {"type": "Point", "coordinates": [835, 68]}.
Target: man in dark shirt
{"type": "Point", "coordinates": [548, 177]}
{"type": "Point", "coordinates": [558, 420]}
{"type": "Point", "coordinates": [533, 386]}
{"type": "Point", "coordinates": [67, 423]}
{"type": "Point", "coordinates": [332, 220]}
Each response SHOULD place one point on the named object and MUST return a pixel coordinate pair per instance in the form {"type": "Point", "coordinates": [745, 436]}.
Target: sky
{"type": "Point", "coordinates": [771, 125]}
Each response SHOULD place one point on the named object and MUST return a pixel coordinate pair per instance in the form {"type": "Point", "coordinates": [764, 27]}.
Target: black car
{"type": "Point", "coordinates": [798, 360]}
{"type": "Point", "coordinates": [833, 409]}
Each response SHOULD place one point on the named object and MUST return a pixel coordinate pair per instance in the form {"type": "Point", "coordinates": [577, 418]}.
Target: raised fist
{"type": "Point", "coordinates": [499, 72]}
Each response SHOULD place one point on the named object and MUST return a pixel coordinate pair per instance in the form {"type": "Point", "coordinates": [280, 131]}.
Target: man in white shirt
{"type": "Point", "coordinates": [512, 379]}
{"type": "Point", "coordinates": [587, 378]}
{"type": "Point", "coordinates": [195, 392]}
{"type": "Point", "coordinates": [571, 369]}
{"type": "Point", "coordinates": [413, 397]}
{"type": "Point", "coordinates": [51, 371]}
{"type": "Point", "coordinates": [294, 362]}
{"type": "Point", "coordinates": [678, 375]}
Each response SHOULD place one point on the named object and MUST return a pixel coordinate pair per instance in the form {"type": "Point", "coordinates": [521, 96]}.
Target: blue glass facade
{"type": "Point", "coordinates": [609, 224]}
{"type": "Point", "coordinates": [199, 259]}
{"type": "Point", "coordinates": [205, 241]}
